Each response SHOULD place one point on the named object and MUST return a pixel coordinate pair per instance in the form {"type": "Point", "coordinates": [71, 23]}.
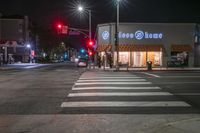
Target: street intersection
{"type": "Point", "coordinates": [63, 98]}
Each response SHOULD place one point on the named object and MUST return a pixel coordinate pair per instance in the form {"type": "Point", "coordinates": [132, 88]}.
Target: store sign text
{"type": "Point", "coordinates": [139, 35]}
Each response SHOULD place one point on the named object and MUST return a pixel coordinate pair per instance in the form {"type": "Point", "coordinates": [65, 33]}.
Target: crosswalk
{"type": "Point", "coordinates": [122, 91]}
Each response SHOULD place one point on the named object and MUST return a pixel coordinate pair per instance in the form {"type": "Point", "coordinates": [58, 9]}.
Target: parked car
{"type": "Point", "coordinates": [82, 62]}
{"type": "Point", "coordinates": [174, 63]}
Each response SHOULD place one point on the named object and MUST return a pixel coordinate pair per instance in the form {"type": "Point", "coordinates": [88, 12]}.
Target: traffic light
{"type": "Point", "coordinates": [59, 26]}
{"type": "Point", "coordinates": [90, 53]}
{"type": "Point", "coordinates": [82, 51]}
{"type": "Point", "coordinates": [90, 44]}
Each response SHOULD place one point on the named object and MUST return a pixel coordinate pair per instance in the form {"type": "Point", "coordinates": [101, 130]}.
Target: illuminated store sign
{"type": "Point", "coordinates": [139, 35]}
{"type": "Point", "coordinates": [105, 35]}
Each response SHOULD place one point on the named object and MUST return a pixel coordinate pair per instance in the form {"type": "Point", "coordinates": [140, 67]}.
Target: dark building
{"type": "Point", "coordinates": [14, 37]}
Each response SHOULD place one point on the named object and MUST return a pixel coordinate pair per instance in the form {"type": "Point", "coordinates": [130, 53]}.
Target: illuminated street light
{"type": "Point", "coordinates": [28, 46]}
{"type": "Point", "coordinates": [81, 9]}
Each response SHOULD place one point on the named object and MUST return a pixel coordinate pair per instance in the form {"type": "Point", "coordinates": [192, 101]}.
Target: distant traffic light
{"type": "Point", "coordinates": [90, 44]}
{"type": "Point", "coordinates": [90, 53]}
{"type": "Point", "coordinates": [82, 51]}
{"type": "Point", "coordinates": [59, 26]}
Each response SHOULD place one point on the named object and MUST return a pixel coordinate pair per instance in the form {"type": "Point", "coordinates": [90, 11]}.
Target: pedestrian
{"type": "Point", "coordinates": [99, 61]}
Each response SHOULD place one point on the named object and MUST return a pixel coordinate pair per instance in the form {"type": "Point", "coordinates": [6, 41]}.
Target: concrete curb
{"type": "Point", "coordinates": [145, 69]}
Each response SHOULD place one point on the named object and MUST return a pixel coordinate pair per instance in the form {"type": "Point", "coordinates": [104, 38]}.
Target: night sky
{"type": "Point", "coordinates": [47, 12]}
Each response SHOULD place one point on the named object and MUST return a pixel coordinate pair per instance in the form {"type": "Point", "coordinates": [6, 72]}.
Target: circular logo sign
{"type": "Point", "coordinates": [105, 35]}
{"type": "Point", "coordinates": [139, 35]}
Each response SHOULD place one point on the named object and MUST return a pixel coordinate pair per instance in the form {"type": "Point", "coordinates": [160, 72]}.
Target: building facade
{"type": "Point", "coordinates": [160, 43]}
{"type": "Point", "coordinates": [14, 36]}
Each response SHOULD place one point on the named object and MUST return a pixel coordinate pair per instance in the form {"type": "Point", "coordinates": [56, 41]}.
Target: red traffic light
{"type": "Point", "coordinates": [59, 26]}
{"type": "Point", "coordinates": [90, 53]}
{"type": "Point", "coordinates": [90, 43]}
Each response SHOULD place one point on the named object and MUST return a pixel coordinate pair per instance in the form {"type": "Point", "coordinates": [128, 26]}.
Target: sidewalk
{"type": "Point", "coordinates": [153, 69]}
{"type": "Point", "coordinates": [20, 65]}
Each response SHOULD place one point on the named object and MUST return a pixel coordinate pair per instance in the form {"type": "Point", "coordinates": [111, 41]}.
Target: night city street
{"type": "Point", "coordinates": [63, 98]}
{"type": "Point", "coordinates": [86, 66]}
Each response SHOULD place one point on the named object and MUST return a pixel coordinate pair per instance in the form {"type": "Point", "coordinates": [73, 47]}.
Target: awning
{"type": "Point", "coordinates": [140, 47]}
{"type": "Point", "coordinates": [181, 48]}
{"type": "Point", "coordinates": [133, 47]}
{"type": "Point", "coordinates": [102, 48]}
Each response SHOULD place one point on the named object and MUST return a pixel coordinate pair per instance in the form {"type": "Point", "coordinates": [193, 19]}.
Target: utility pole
{"type": "Point", "coordinates": [116, 36]}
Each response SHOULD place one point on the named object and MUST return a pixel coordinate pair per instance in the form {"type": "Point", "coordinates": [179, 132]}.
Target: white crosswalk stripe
{"type": "Point", "coordinates": [116, 88]}
{"type": "Point", "coordinates": [116, 85]}
{"type": "Point", "coordinates": [113, 83]}
{"type": "Point", "coordinates": [111, 80]}
{"type": "Point", "coordinates": [126, 104]}
{"type": "Point", "coordinates": [119, 94]}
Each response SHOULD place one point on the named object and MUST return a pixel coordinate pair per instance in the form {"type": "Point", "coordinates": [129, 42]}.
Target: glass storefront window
{"type": "Point", "coordinates": [155, 57]}
{"type": "Point", "coordinates": [139, 59]}
{"type": "Point", "coordinates": [124, 57]}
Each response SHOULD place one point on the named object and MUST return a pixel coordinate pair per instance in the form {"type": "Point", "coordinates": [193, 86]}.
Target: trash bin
{"type": "Point", "coordinates": [149, 65]}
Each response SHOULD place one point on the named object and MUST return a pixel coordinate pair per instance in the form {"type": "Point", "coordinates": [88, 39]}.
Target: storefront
{"type": "Point", "coordinates": [160, 43]}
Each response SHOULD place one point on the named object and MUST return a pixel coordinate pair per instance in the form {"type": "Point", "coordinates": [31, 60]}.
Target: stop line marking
{"type": "Point", "coordinates": [150, 74]}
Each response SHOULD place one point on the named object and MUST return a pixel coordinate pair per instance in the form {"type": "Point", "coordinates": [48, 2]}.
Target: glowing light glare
{"type": "Point", "coordinates": [59, 26]}
{"type": "Point", "coordinates": [28, 46]}
{"type": "Point", "coordinates": [80, 8]}
{"type": "Point", "coordinates": [82, 51]}
{"type": "Point", "coordinates": [90, 53]}
{"type": "Point", "coordinates": [90, 43]}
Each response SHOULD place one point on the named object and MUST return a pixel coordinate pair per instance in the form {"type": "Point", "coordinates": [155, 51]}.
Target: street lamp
{"type": "Point", "coordinates": [29, 48]}
{"type": "Point", "coordinates": [116, 35]}
{"type": "Point", "coordinates": [81, 9]}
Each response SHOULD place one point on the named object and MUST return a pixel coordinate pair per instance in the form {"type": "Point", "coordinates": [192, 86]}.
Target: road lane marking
{"type": "Point", "coordinates": [119, 94]}
{"type": "Point", "coordinates": [114, 83]}
{"type": "Point", "coordinates": [187, 94]}
{"type": "Point", "coordinates": [150, 74]}
{"type": "Point", "coordinates": [126, 104]}
{"type": "Point", "coordinates": [179, 82]}
{"type": "Point", "coordinates": [121, 77]}
{"type": "Point", "coordinates": [181, 76]}
{"type": "Point", "coordinates": [29, 67]}
{"type": "Point", "coordinates": [116, 88]}
{"type": "Point", "coordinates": [111, 80]}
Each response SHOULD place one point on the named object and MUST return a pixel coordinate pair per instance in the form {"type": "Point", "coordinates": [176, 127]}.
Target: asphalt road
{"type": "Point", "coordinates": [37, 90]}
{"type": "Point", "coordinates": [184, 85]}
{"type": "Point", "coordinates": [62, 98]}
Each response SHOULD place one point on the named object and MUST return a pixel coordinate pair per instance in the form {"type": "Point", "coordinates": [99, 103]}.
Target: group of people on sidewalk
{"type": "Point", "coordinates": [103, 61]}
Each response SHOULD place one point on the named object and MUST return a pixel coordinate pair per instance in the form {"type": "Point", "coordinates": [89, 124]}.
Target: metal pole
{"type": "Point", "coordinates": [90, 33]}
{"type": "Point", "coordinates": [90, 25]}
{"type": "Point", "coordinates": [117, 38]}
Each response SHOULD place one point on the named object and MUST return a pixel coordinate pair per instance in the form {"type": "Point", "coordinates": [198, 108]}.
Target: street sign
{"type": "Point", "coordinates": [64, 29]}
{"type": "Point", "coordinates": [74, 33]}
